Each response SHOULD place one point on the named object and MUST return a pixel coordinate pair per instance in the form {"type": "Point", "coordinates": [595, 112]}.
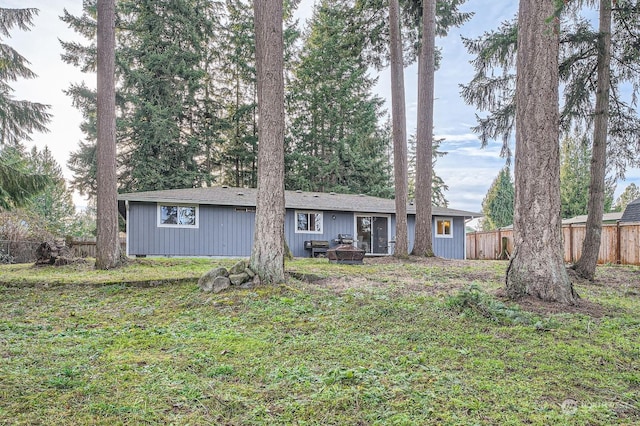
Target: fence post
{"type": "Point", "coordinates": [618, 244]}
{"type": "Point", "coordinates": [570, 243]}
{"type": "Point", "coordinates": [475, 246]}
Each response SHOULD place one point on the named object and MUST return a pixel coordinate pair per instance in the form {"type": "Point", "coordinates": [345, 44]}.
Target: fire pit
{"type": "Point", "coordinates": [345, 252]}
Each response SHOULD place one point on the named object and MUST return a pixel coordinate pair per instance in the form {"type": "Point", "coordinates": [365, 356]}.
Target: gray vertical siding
{"type": "Point", "coordinates": [449, 248]}
{"type": "Point", "coordinates": [342, 224]}
{"type": "Point", "coordinates": [223, 231]}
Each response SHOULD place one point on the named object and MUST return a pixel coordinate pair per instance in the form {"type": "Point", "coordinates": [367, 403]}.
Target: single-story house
{"type": "Point", "coordinates": [632, 212]}
{"type": "Point", "coordinates": [219, 221]}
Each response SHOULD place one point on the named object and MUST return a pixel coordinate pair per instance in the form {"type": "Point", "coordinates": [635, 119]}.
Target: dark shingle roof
{"type": "Point", "coordinates": [632, 212]}
{"type": "Point", "coordinates": [246, 197]}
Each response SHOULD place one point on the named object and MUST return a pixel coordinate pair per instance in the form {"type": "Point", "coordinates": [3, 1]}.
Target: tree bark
{"type": "Point", "coordinates": [267, 255]}
{"type": "Point", "coordinates": [423, 244]}
{"type": "Point", "coordinates": [107, 241]}
{"type": "Point", "coordinates": [586, 265]}
{"type": "Point", "coordinates": [399, 120]}
{"type": "Point", "coordinates": [537, 267]}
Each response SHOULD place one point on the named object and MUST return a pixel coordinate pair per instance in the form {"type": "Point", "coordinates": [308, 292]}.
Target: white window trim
{"type": "Point", "coordinates": [171, 225]}
{"type": "Point", "coordinates": [436, 219]}
{"type": "Point", "coordinates": [308, 212]}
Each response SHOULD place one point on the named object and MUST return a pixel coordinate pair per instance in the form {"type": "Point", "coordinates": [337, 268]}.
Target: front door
{"type": "Point", "coordinates": [372, 234]}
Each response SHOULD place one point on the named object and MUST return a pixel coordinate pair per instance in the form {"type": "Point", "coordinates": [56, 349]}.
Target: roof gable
{"type": "Point", "coordinates": [246, 197]}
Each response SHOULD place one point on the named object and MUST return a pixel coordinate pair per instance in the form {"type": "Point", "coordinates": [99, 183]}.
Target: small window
{"type": "Point", "coordinates": [245, 209]}
{"type": "Point", "coordinates": [444, 228]}
{"type": "Point", "coordinates": [309, 222]}
{"type": "Point", "coordinates": [172, 215]}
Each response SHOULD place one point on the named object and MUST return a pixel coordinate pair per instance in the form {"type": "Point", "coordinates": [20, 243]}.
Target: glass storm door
{"type": "Point", "coordinates": [372, 234]}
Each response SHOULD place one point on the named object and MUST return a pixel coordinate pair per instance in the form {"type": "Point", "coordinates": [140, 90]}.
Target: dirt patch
{"type": "Point", "coordinates": [537, 306]}
{"type": "Point", "coordinates": [441, 277]}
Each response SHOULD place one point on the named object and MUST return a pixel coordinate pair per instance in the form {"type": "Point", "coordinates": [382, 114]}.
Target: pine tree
{"type": "Point", "coordinates": [575, 161]}
{"type": "Point", "coordinates": [497, 205]}
{"type": "Point", "coordinates": [537, 267]}
{"type": "Point", "coordinates": [335, 142]}
{"type": "Point", "coordinates": [19, 118]}
{"type": "Point", "coordinates": [267, 254]}
{"type": "Point", "coordinates": [630, 193]}
{"type": "Point", "coordinates": [55, 203]}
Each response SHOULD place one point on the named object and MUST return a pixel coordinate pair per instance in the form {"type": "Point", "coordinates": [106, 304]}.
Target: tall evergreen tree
{"type": "Point", "coordinates": [497, 205]}
{"type": "Point", "coordinates": [423, 245]}
{"type": "Point", "coordinates": [167, 102]}
{"type": "Point", "coordinates": [335, 142]}
{"type": "Point", "coordinates": [18, 118]}
{"type": "Point", "coordinates": [55, 203]}
{"type": "Point", "coordinates": [399, 129]}
{"type": "Point", "coordinates": [537, 267]}
{"type": "Point", "coordinates": [267, 254]}
{"type": "Point", "coordinates": [575, 160]}
{"type": "Point", "coordinates": [107, 241]}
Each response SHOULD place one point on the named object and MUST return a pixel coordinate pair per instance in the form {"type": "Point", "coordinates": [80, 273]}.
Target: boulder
{"type": "Point", "coordinates": [250, 272]}
{"type": "Point", "coordinates": [206, 281]}
{"type": "Point", "coordinates": [220, 284]}
{"type": "Point", "coordinates": [239, 267]}
{"type": "Point", "coordinates": [239, 279]}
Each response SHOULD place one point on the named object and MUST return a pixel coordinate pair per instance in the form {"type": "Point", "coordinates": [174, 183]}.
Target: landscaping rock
{"type": "Point", "coordinates": [250, 272]}
{"type": "Point", "coordinates": [221, 284]}
{"type": "Point", "coordinates": [239, 279]}
{"type": "Point", "coordinates": [206, 282]}
{"type": "Point", "coordinates": [239, 267]}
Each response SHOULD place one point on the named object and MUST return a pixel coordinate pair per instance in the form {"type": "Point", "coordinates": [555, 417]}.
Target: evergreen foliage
{"type": "Point", "coordinates": [335, 142]}
{"type": "Point", "coordinates": [18, 118]}
{"type": "Point", "coordinates": [575, 161]}
{"type": "Point", "coordinates": [630, 193]}
{"type": "Point", "coordinates": [438, 187]}
{"type": "Point", "coordinates": [497, 205]}
{"type": "Point", "coordinates": [493, 87]}
{"type": "Point", "coordinates": [55, 203]}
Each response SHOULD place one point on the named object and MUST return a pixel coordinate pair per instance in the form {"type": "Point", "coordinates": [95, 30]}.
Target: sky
{"type": "Point", "coordinates": [467, 169]}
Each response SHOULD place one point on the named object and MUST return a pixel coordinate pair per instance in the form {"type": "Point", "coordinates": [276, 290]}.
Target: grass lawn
{"type": "Point", "coordinates": [386, 343]}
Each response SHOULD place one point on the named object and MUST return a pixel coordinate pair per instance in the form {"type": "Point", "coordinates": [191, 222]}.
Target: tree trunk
{"type": "Point", "coordinates": [537, 267]}
{"type": "Point", "coordinates": [586, 265]}
{"type": "Point", "coordinates": [267, 256]}
{"type": "Point", "coordinates": [107, 242]}
{"type": "Point", "coordinates": [399, 119]}
{"type": "Point", "coordinates": [423, 244]}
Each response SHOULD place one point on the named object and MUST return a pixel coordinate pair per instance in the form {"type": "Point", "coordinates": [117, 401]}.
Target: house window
{"type": "Point", "coordinates": [178, 216]}
{"type": "Point", "coordinates": [309, 222]}
{"type": "Point", "coordinates": [444, 228]}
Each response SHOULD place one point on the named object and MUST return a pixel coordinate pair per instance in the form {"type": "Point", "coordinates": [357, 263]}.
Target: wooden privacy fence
{"type": "Point", "coordinates": [620, 243]}
{"type": "Point", "coordinates": [86, 247]}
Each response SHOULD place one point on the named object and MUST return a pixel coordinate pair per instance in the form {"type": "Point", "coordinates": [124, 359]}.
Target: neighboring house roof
{"type": "Point", "coordinates": [246, 197]}
{"type": "Point", "coordinates": [606, 218]}
{"type": "Point", "coordinates": [632, 212]}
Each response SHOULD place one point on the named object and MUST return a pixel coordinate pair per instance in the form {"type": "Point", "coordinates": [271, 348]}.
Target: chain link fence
{"type": "Point", "coordinates": [18, 251]}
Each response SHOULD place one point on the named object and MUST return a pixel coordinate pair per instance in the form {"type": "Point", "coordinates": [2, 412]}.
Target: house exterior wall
{"type": "Point", "coordinates": [221, 231]}
{"type": "Point", "coordinates": [448, 248]}
{"type": "Point", "coordinates": [224, 231]}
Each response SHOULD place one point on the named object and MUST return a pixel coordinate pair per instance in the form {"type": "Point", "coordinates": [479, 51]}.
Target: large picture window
{"type": "Point", "coordinates": [444, 227]}
{"type": "Point", "coordinates": [309, 222]}
{"type": "Point", "coordinates": [182, 216]}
